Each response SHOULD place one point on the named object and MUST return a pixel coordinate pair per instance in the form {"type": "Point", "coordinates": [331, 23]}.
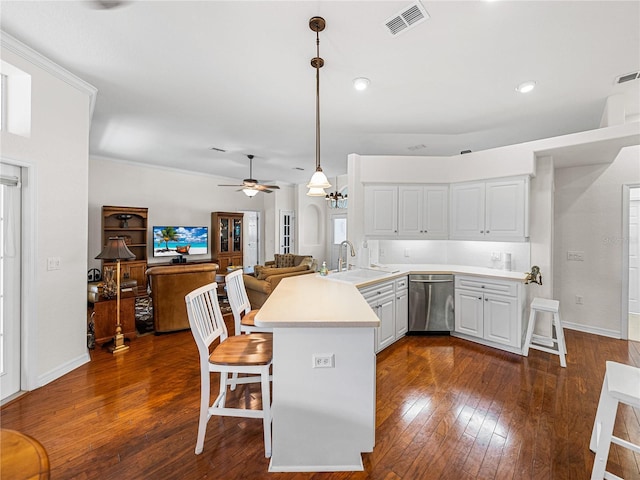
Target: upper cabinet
{"type": "Point", "coordinates": [424, 211]}
{"type": "Point", "coordinates": [412, 211]}
{"type": "Point", "coordinates": [381, 210]}
{"type": "Point", "coordinates": [493, 210]}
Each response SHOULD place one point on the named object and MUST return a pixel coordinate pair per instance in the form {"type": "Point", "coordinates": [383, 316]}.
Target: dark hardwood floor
{"type": "Point", "coordinates": [446, 409]}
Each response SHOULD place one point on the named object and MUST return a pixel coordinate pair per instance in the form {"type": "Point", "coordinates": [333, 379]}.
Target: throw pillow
{"type": "Point", "coordinates": [267, 272]}
{"type": "Point", "coordinates": [284, 260]}
{"type": "Point", "coordinates": [306, 262]}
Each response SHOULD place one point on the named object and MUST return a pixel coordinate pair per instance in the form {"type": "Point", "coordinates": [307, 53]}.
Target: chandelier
{"type": "Point", "coordinates": [336, 199]}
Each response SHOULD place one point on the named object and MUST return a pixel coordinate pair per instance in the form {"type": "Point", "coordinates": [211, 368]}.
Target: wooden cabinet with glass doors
{"type": "Point", "coordinates": [226, 231]}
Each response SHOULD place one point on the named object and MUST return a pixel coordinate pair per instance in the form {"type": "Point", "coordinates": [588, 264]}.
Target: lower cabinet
{"type": "Point", "coordinates": [490, 312]}
{"type": "Point", "coordinates": [390, 301]}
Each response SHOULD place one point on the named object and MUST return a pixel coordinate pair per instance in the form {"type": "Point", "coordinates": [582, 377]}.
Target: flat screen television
{"type": "Point", "coordinates": [171, 241]}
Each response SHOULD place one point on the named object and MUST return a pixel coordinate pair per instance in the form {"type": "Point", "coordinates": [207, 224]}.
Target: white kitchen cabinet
{"type": "Point", "coordinates": [493, 210]}
{"type": "Point", "coordinates": [381, 210]}
{"type": "Point", "coordinates": [390, 302]}
{"type": "Point", "coordinates": [423, 211]}
{"type": "Point", "coordinates": [490, 312]}
{"type": "Point", "coordinates": [401, 308]}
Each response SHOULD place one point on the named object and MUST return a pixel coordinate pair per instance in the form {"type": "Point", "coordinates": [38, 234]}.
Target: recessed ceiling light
{"type": "Point", "coordinates": [526, 87]}
{"type": "Point", "coordinates": [361, 83]}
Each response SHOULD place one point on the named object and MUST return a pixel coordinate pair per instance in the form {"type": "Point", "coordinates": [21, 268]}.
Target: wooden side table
{"type": "Point", "coordinates": [105, 316]}
{"type": "Point", "coordinates": [22, 457]}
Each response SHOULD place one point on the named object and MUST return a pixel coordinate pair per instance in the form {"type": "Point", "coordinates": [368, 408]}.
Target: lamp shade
{"type": "Point", "coordinates": [249, 192]}
{"type": "Point", "coordinates": [115, 249]}
{"type": "Point", "coordinates": [318, 180]}
{"type": "Point", "coordinates": [316, 192]}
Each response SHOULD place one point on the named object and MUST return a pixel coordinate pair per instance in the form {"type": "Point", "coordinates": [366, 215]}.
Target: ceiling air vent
{"type": "Point", "coordinates": [628, 77]}
{"type": "Point", "coordinates": [406, 19]}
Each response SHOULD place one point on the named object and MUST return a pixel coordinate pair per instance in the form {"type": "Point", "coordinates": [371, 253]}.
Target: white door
{"type": "Point", "coordinates": [381, 212]}
{"type": "Point", "coordinates": [251, 246]}
{"type": "Point", "coordinates": [435, 211]}
{"type": "Point", "coordinates": [469, 313]}
{"type": "Point", "coordinates": [410, 217]}
{"type": "Point", "coordinates": [287, 229]}
{"type": "Point", "coordinates": [634, 250]}
{"type": "Point", "coordinates": [385, 309]}
{"type": "Point", "coordinates": [467, 211]}
{"type": "Point", "coordinates": [499, 315]}
{"type": "Point", "coordinates": [10, 262]}
{"type": "Point", "coordinates": [504, 209]}
{"type": "Point", "coordinates": [338, 235]}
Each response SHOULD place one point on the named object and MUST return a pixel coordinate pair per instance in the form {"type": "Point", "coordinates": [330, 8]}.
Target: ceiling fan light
{"type": "Point", "coordinates": [316, 192]}
{"type": "Point", "coordinates": [249, 192]}
{"type": "Point", "coordinates": [319, 180]}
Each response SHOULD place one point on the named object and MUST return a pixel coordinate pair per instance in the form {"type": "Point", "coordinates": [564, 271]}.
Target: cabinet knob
{"type": "Point", "coordinates": [479, 298]}
{"type": "Point", "coordinates": [481, 231]}
{"type": "Point", "coordinates": [487, 231]}
{"type": "Point", "coordinates": [486, 299]}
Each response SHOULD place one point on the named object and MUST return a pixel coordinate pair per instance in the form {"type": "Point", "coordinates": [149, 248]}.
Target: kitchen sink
{"type": "Point", "coordinates": [358, 275]}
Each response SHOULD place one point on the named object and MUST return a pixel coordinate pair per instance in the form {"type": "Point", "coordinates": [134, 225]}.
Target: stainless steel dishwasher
{"type": "Point", "coordinates": [430, 304]}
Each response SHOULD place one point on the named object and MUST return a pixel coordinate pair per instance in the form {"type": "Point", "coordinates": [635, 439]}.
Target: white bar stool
{"type": "Point", "coordinates": [621, 384]}
{"type": "Point", "coordinates": [551, 306]}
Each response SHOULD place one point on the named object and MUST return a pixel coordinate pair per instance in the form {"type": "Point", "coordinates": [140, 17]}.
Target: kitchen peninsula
{"type": "Point", "coordinates": [324, 371]}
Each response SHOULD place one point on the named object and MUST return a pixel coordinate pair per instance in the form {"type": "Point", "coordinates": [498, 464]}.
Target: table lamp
{"type": "Point", "coordinates": [116, 249]}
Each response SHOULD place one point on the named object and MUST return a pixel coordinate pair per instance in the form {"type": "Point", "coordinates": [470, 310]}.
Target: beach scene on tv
{"type": "Point", "coordinates": [172, 241]}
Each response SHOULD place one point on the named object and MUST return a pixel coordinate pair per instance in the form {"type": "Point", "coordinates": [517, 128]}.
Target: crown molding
{"type": "Point", "coordinates": [29, 54]}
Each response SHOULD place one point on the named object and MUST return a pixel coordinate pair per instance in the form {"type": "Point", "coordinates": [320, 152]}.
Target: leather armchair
{"type": "Point", "coordinates": [169, 286]}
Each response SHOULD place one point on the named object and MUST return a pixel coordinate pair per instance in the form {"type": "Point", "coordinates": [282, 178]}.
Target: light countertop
{"type": "Point", "coordinates": [312, 301]}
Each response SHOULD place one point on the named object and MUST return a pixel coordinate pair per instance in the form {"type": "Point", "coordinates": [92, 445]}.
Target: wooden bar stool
{"type": "Point", "coordinates": [534, 341]}
{"type": "Point", "coordinates": [621, 384]}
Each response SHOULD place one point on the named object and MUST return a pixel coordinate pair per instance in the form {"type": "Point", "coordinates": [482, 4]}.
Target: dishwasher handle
{"type": "Point", "coordinates": [430, 281]}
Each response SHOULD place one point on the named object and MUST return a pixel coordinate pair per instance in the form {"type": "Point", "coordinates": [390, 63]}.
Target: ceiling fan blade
{"type": "Point", "coordinates": [273, 187]}
{"type": "Point", "coordinates": [220, 185]}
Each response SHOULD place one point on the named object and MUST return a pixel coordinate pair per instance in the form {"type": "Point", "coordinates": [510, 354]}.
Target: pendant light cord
{"type": "Point", "coordinates": [318, 65]}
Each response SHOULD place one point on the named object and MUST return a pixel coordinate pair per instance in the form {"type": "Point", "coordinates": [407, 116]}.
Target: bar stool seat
{"type": "Point", "coordinates": [532, 340]}
{"type": "Point", "coordinates": [621, 385]}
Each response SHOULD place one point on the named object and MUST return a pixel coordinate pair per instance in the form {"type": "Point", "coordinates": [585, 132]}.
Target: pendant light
{"type": "Point", "coordinates": [318, 181]}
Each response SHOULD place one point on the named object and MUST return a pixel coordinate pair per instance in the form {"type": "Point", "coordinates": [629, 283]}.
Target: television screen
{"type": "Point", "coordinates": [171, 241]}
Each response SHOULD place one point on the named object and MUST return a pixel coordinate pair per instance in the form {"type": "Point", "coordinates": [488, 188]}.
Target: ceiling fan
{"type": "Point", "coordinates": [251, 186]}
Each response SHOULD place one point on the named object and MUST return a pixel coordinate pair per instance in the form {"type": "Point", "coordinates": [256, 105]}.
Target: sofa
{"type": "Point", "coordinates": [169, 285]}
{"type": "Point", "coordinates": [266, 278]}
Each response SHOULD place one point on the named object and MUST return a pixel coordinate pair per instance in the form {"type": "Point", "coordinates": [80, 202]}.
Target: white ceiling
{"type": "Point", "coordinates": [175, 78]}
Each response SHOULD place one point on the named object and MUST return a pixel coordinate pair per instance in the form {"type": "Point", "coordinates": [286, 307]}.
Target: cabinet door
{"type": "Point", "coordinates": [469, 313]}
{"type": "Point", "coordinates": [500, 319]}
{"type": "Point", "coordinates": [505, 209]}
{"type": "Point", "coordinates": [402, 313]}
{"type": "Point", "coordinates": [224, 235]}
{"type": "Point", "coordinates": [381, 212]}
{"type": "Point", "coordinates": [467, 211]}
{"type": "Point", "coordinates": [386, 331]}
{"type": "Point", "coordinates": [435, 211]}
{"type": "Point", "coordinates": [237, 236]}
{"type": "Point", "coordinates": [410, 211]}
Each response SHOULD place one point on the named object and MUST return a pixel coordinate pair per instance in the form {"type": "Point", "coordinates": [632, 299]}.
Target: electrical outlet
{"type": "Point", "coordinates": [54, 263]}
{"type": "Point", "coordinates": [407, 252]}
{"type": "Point", "coordinates": [579, 300]}
{"type": "Point", "coordinates": [323, 360]}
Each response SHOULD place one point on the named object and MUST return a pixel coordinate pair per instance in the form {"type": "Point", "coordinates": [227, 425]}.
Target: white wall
{"type": "Point", "coordinates": [311, 224]}
{"type": "Point", "coordinates": [173, 197]}
{"type": "Point", "coordinates": [55, 155]}
{"type": "Point", "coordinates": [588, 218]}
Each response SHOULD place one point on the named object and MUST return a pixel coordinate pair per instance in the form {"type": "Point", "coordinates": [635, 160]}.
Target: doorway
{"type": "Point", "coordinates": [634, 263]}
{"type": "Point", "coordinates": [251, 235]}
{"type": "Point", "coordinates": [287, 227]}
{"type": "Point", "coordinates": [11, 285]}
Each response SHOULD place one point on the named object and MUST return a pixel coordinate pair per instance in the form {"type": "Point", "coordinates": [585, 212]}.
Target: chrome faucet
{"type": "Point", "coordinates": [342, 262]}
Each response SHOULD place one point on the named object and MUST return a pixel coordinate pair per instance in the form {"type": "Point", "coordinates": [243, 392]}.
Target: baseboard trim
{"type": "Point", "coordinates": [604, 332]}
{"type": "Point", "coordinates": [63, 369]}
